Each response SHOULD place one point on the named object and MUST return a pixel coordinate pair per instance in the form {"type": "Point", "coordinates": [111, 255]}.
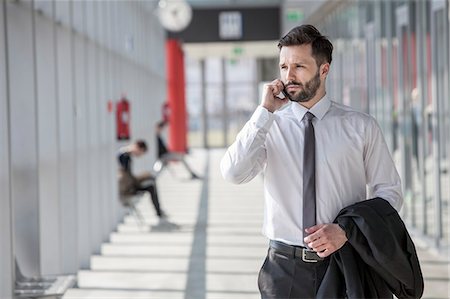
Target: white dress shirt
{"type": "Point", "coordinates": [353, 163]}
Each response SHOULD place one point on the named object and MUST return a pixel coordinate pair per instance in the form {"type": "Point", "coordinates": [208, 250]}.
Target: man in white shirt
{"type": "Point", "coordinates": [343, 161]}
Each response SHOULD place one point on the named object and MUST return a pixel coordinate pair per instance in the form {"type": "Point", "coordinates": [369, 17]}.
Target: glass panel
{"type": "Point", "coordinates": [404, 119]}
{"type": "Point", "coordinates": [446, 176]}
{"type": "Point", "coordinates": [429, 160]}
{"type": "Point", "coordinates": [388, 74]}
{"type": "Point", "coordinates": [441, 31]}
{"type": "Point", "coordinates": [395, 105]}
{"type": "Point", "coordinates": [194, 108]}
{"type": "Point", "coordinates": [214, 109]}
{"type": "Point", "coordinates": [434, 206]}
{"type": "Point", "coordinates": [241, 93]}
{"type": "Point", "coordinates": [241, 108]}
{"type": "Point", "coordinates": [418, 103]}
{"type": "Point", "coordinates": [194, 102]}
{"type": "Point", "coordinates": [371, 70]}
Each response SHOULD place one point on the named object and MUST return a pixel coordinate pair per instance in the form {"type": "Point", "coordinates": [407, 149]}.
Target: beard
{"type": "Point", "coordinates": [308, 90]}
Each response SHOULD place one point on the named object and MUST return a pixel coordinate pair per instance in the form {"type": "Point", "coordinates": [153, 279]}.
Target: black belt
{"type": "Point", "coordinates": [307, 255]}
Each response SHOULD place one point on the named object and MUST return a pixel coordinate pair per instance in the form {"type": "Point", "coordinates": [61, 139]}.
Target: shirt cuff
{"type": "Point", "coordinates": [262, 118]}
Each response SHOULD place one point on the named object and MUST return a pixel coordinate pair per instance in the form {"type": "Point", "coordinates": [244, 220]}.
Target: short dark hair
{"type": "Point", "coordinates": [142, 145]}
{"type": "Point", "coordinates": [322, 49]}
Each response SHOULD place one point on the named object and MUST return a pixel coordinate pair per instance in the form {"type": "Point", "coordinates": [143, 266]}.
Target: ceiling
{"type": "Point", "coordinates": [233, 3]}
{"type": "Point", "coordinates": [258, 49]}
{"type": "Point", "coordinates": [307, 5]}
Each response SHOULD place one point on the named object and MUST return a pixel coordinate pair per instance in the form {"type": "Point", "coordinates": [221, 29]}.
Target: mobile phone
{"type": "Point", "coordinates": [283, 94]}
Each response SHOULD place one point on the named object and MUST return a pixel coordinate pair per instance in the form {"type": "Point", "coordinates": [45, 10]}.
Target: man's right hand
{"type": "Point", "coordinates": [270, 101]}
{"type": "Point", "coordinates": [325, 238]}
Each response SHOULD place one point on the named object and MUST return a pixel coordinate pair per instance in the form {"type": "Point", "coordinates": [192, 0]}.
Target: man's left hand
{"type": "Point", "coordinates": [325, 238]}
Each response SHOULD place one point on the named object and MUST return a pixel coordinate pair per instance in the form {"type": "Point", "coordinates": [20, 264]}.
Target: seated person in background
{"type": "Point", "coordinates": [165, 156]}
{"type": "Point", "coordinates": [131, 185]}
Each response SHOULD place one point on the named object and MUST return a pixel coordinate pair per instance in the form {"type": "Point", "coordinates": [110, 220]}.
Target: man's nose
{"type": "Point", "coordinates": [290, 76]}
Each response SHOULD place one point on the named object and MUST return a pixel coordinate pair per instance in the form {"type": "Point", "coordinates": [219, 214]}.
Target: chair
{"type": "Point", "coordinates": [130, 202]}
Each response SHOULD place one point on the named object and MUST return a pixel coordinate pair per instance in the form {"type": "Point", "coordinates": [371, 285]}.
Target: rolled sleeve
{"type": "Point", "coordinates": [382, 177]}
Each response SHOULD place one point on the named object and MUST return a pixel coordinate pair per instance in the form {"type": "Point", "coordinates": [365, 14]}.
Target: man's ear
{"type": "Point", "coordinates": [324, 69]}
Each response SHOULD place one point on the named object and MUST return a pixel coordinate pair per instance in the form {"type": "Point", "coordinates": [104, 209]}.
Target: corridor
{"type": "Point", "coordinates": [216, 252]}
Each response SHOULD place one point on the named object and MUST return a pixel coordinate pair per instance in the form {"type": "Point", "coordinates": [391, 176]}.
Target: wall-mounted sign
{"type": "Point", "coordinates": [221, 24]}
{"type": "Point", "coordinates": [230, 25]}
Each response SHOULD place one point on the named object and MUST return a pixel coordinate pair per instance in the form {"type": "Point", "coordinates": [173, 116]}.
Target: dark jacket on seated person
{"type": "Point", "coordinates": [130, 184]}
{"type": "Point", "coordinates": [379, 258]}
{"type": "Point", "coordinates": [127, 182]}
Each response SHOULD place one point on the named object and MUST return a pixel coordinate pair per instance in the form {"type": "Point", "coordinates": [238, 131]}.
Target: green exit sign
{"type": "Point", "coordinates": [295, 15]}
{"type": "Point", "coordinates": [238, 51]}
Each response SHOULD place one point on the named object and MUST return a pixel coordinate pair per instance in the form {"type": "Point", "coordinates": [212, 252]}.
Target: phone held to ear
{"type": "Point", "coordinates": [283, 94]}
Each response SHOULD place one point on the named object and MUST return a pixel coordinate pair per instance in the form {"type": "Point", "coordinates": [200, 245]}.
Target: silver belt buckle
{"type": "Point", "coordinates": [310, 256]}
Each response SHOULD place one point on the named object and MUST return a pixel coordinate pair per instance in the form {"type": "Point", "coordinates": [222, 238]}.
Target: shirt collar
{"type": "Point", "coordinates": [319, 109]}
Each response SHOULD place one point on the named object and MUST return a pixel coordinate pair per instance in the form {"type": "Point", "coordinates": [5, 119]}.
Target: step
{"type": "Point", "coordinates": [165, 250]}
{"type": "Point", "coordinates": [155, 238]}
{"type": "Point", "coordinates": [156, 281]}
{"type": "Point", "coordinates": [118, 263]}
{"type": "Point", "coordinates": [121, 294]}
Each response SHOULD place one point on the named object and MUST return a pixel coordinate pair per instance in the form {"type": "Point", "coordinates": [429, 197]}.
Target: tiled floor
{"type": "Point", "coordinates": [215, 253]}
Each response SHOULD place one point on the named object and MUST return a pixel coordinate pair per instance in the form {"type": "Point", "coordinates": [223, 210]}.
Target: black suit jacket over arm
{"type": "Point", "coordinates": [379, 258]}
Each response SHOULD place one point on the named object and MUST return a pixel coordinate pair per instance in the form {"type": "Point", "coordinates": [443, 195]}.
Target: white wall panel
{"type": "Point", "coordinates": [110, 161]}
{"type": "Point", "coordinates": [48, 145]}
{"type": "Point", "coordinates": [62, 13]}
{"type": "Point", "coordinates": [82, 152]}
{"type": "Point", "coordinates": [6, 257]}
{"type": "Point", "coordinates": [93, 145]}
{"type": "Point", "coordinates": [44, 7]}
{"type": "Point", "coordinates": [67, 144]}
{"type": "Point", "coordinates": [119, 40]}
{"type": "Point", "coordinates": [92, 135]}
{"type": "Point", "coordinates": [23, 136]}
{"type": "Point", "coordinates": [101, 122]}
{"type": "Point", "coordinates": [58, 170]}
{"type": "Point", "coordinates": [78, 19]}
{"type": "Point", "coordinates": [112, 94]}
{"type": "Point", "coordinates": [103, 68]}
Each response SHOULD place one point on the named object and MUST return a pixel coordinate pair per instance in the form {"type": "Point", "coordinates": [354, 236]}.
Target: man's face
{"type": "Point", "coordinates": [299, 72]}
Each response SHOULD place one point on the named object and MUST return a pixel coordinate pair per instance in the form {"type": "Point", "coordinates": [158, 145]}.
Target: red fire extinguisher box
{"type": "Point", "coordinates": [123, 119]}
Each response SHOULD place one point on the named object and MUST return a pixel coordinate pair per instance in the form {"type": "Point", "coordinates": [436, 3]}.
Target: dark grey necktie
{"type": "Point", "coordinates": [309, 173]}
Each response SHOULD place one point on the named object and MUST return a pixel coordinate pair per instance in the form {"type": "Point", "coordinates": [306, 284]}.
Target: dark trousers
{"type": "Point", "coordinates": [149, 185]}
{"type": "Point", "coordinates": [285, 276]}
{"type": "Point", "coordinates": [172, 156]}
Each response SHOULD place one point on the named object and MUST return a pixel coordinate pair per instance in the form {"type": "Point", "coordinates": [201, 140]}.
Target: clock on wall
{"type": "Point", "coordinates": [174, 15]}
